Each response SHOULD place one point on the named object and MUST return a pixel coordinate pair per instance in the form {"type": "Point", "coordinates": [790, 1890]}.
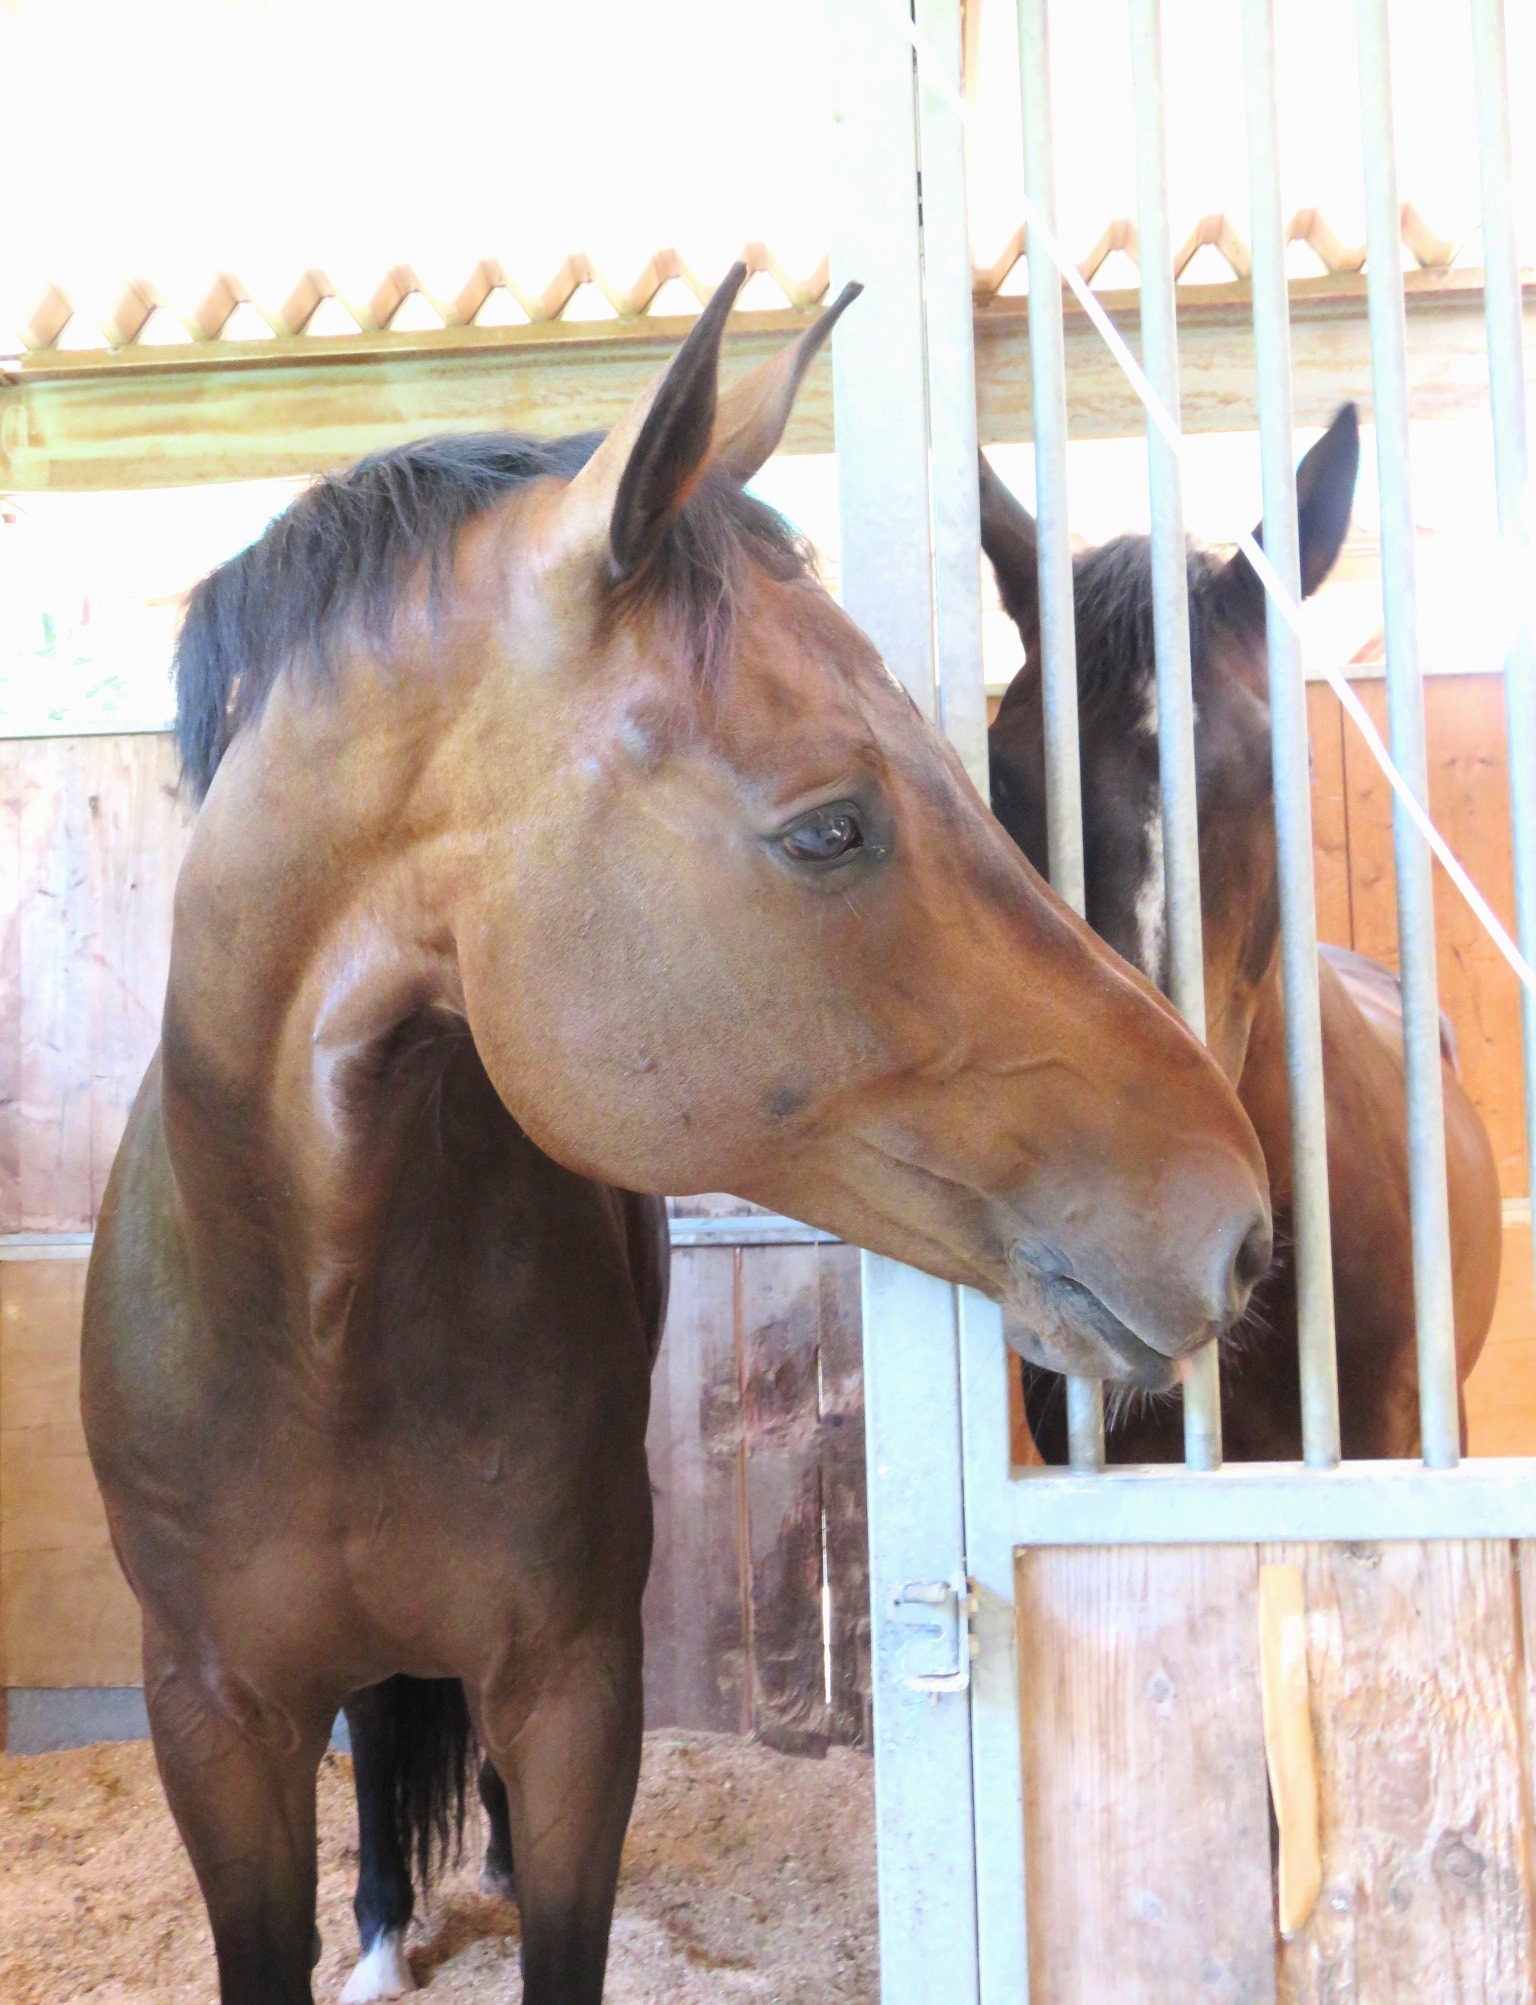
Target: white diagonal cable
{"type": "Point", "coordinates": [935, 79]}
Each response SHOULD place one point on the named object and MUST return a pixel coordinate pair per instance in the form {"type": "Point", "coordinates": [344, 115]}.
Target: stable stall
{"type": "Point", "coordinates": [1086, 1690]}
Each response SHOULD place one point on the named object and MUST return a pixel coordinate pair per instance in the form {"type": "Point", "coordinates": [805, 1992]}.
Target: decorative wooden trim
{"type": "Point", "coordinates": [293, 405]}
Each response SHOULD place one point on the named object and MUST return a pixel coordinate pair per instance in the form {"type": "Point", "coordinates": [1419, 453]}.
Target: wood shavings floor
{"type": "Point", "coordinates": [748, 1875]}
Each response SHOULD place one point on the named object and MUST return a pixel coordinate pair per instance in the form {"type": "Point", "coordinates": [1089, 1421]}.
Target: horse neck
{"type": "Point", "coordinates": [309, 935]}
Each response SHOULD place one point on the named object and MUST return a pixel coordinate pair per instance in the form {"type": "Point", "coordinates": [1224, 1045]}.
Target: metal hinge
{"type": "Point", "coordinates": [949, 1606]}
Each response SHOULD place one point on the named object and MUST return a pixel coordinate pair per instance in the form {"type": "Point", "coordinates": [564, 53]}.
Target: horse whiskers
{"type": "Point", "coordinates": [1123, 1402]}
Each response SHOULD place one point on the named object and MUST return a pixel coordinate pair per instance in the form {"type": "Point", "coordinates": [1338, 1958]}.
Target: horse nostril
{"type": "Point", "coordinates": [1254, 1255]}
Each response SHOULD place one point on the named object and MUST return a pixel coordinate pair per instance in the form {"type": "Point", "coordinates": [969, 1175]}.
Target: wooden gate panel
{"type": "Point", "coordinates": [1413, 1658]}
{"type": "Point", "coordinates": [695, 1673]}
{"type": "Point", "coordinates": [57, 933]}
{"type": "Point", "coordinates": [138, 829]}
{"type": "Point", "coordinates": [843, 1491]}
{"type": "Point", "coordinates": [67, 1616]}
{"type": "Point", "coordinates": [1147, 1847]}
{"type": "Point", "coordinates": [780, 1370]}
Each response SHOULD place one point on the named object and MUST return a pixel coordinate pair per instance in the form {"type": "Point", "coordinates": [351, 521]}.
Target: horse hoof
{"type": "Point", "coordinates": [496, 1880]}
{"type": "Point", "coordinates": [382, 1973]}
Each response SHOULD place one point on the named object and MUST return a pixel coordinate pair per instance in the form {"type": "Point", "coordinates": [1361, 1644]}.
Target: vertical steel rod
{"type": "Point", "coordinates": [1170, 588]}
{"type": "Point", "coordinates": [1433, 1309]}
{"type": "Point", "coordinates": [1512, 474]}
{"type": "Point", "coordinates": [1313, 1253]}
{"type": "Point", "coordinates": [1058, 626]}
{"type": "Point", "coordinates": [950, 356]}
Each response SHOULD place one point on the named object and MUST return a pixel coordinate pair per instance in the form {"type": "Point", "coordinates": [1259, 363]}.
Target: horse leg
{"type": "Point", "coordinates": [239, 1773]}
{"type": "Point", "coordinates": [570, 1762]}
{"type": "Point", "coordinates": [496, 1873]}
{"type": "Point", "coordinates": [384, 1899]}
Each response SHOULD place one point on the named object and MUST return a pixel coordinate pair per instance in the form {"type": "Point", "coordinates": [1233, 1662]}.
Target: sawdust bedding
{"type": "Point", "coordinates": [748, 1875]}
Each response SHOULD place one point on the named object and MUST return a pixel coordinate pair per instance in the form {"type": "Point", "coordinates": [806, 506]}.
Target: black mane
{"type": "Point", "coordinates": [1112, 592]}
{"type": "Point", "coordinates": [340, 559]}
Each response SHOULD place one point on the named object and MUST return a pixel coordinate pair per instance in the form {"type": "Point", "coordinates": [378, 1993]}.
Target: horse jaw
{"type": "Point", "coordinates": [382, 1972]}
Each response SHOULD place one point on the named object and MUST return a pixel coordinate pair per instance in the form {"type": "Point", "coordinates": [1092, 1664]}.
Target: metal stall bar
{"type": "Point", "coordinates": [1313, 1252]}
{"type": "Point", "coordinates": [1506, 386]}
{"type": "Point", "coordinates": [997, 1762]}
{"type": "Point", "coordinates": [985, 1638]}
{"type": "Point", "coordinates": [1180, 829]}
{"type": "Point", "coordinates": [1058, 627]}
{"type": "Point", "coordinates": [1433, 1309]}
{"type": "Point", "coordinates": [926, 1857]}
{"type": "Point", "coordinates": [951, 376]}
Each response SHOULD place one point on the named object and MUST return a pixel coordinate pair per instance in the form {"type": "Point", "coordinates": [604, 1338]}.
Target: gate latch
{"type": "Point", "coordinates": [938, 1612]}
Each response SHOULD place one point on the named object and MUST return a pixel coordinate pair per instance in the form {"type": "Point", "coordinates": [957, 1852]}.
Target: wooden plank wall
{"type": "Point", "coordinates": [1357, 884]}
{"type": "Point", "coordinates": [91, 836]}
{"type": "Point", "coordinates": [1357, 907]}
{"type": "Point", "coordinates": [1149, 1868]}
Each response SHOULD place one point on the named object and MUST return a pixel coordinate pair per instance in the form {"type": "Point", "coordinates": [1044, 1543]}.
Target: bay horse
{"type": "Point", "coordinates": [1361, 1008]}
{"type": "Point", "coordinates": [560, 839]}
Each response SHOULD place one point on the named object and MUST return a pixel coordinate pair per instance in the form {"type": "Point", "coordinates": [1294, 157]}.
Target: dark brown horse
{"type": "Point", "coordinates": [1362, 1023]}
{"type": "Point", "coordinates": [561, 838]}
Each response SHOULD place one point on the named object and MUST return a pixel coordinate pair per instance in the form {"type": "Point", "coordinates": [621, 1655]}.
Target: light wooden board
{"type": "Point", "coordinates": [91, 839]}
{"type": "Point", "coordinates": [1525, 1578]}
{"type": "Point", "coordinates": [168, 417]}
{"type": "Point", "coordinates": [57, 929]}
{"type": "Point", "coordinates": [1413, 1660]}
{"type": "Point", "coordinates": [67, 1616]}
{"type": "Point", "coordinates": [1146, 1806]}
{"type": "Point", "coordinates": [138, 832]}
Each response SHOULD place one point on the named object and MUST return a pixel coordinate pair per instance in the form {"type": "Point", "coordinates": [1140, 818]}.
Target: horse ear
{"type": "Point", "coordinates": [616, 509]}
{"type": "Point", "coordinates": [753, 412]}
{"type": "Point", "coordinates": [1325, 497]}
{"type": "Point", "coordinates": [1009, 539]}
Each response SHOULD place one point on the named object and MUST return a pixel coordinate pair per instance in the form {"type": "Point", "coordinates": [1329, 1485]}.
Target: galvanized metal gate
{"type": "Point", "coordinates": [947, 1514]}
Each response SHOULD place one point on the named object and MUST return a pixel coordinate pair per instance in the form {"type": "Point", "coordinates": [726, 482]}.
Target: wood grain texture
{"type": "Point", "coordinates": [57, 929]}
{"type": "Point", "coordinates": [1525, 1584]}
{"type": "Point", "coordinates": [91, 839]}
{"type": "Point", "coordinates": [1469, 799]}
{"type": "Point", "coordinates": [67, 1616]}
{"type": "Point", "coordinates": [1148, 1856]}
{"type": "Point", "coordinates": [138, 829]}
{"type": "Point", "coordinates": [1501, 1393]}
{"type": "Point", "coordinates": [695, 1609]}
{"type": "Point", "coordinates": [1289, 1743]}
{"type": "Point", "coordinates": [167, 417]}
{"type": "Point", "coordinates": [780, 1337]}
{"type": "Point", "coordinates": [844, 1494]}
{"type": "Point", "coordinates": [1413, 1663]}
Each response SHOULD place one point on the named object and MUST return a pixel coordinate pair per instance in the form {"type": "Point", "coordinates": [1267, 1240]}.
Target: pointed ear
{"type": "Point", "coordinates": [613, 514]}
{"type": "Point", "coordinates": [1009, 539]}
{"type": "Point", "coordinates": [1325, 497]}
{"type": "Point", "coordinates": [754, 411]}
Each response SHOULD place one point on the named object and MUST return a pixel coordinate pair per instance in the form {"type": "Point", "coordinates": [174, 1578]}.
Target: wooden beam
{"type": "Point", "coordinates": [209, 411]}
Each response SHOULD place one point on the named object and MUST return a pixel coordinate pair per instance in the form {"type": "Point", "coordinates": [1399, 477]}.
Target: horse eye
{"type": "Point", "coordinates": [825, 835]}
